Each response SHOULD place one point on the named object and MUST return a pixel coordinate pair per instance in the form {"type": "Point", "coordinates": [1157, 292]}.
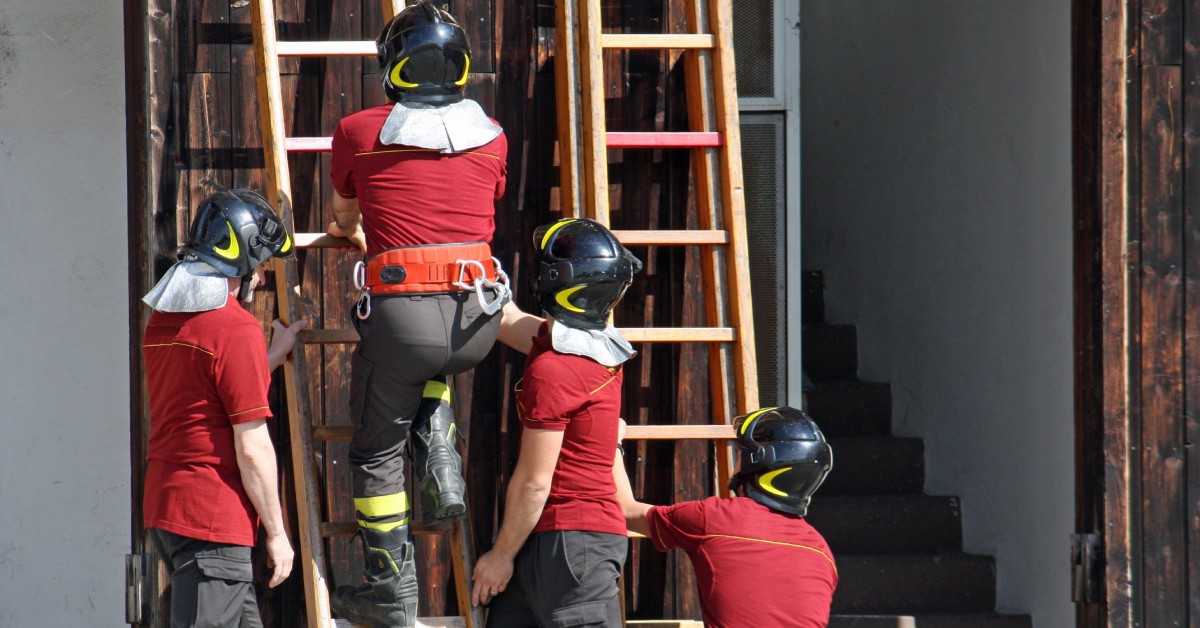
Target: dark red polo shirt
{"type": "Point", "coordinates": [754, 566]}
{"type": "Point", "coordinates": [410, 195]}
{"type": "Point", "coordinates": [583, 399]}
{"type": "Point", "coordinates": [205, 372]}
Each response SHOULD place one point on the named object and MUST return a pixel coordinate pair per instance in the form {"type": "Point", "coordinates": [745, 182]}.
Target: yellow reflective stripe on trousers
{"type": "Point", "coordinates": [372, 511]}
{"type": "Point", "coordinates": [437, 390]}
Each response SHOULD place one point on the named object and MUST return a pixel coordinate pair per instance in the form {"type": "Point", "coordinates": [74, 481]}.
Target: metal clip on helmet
{"type": "Point", "coordinates": [782, 458]}
{"type": "Point", "coordinates": [236, 230]}
{"type": "Point", "coordinates": [583, 271]}
{"type": "Point", "coordinates": [423, 56]}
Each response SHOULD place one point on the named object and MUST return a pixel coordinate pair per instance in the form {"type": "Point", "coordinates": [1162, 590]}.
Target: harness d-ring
{"type": "Point", "coordinates": [503, 291]}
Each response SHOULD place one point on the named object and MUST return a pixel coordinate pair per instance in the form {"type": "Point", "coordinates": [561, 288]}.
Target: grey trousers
{"type": "Point", "coordinates": [406, 341]}
{"type": "Point", "coordinates": [563, 578]}
{"type": "Point", "coordinates": [211, 583]}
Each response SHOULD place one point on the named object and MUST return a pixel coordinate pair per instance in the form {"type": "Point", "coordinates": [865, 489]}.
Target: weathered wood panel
{"type": "Point", "coordinates": [1089, 324]}
{"type": "Point", "coordinates": [1164, 541]}
{"type": "Point", "coordinates": [1191, 306]}
{"type": "Point", "coordinates": [1161, 31]}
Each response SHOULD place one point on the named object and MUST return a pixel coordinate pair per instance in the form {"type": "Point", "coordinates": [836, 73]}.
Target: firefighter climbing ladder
{"type": "Point", "coordinates": [715, 142]}
{"type": "Point", "coordinates": [276, 146]}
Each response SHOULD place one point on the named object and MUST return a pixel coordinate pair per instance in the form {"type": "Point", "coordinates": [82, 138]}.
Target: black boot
{"type": "Point", "coordinates": [388, 599]}
{"type": "Point", "coordinates": [436, 463]}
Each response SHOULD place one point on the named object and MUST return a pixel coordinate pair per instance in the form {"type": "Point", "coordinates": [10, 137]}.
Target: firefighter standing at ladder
{"type": "Point", "coordinates": [211, 472]}
{"type": "Point", "coordinates": [416, 185]}
{"type": "Point", "coordinates": [757, 561]}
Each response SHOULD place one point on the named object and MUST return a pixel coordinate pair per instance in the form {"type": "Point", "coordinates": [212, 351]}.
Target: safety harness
{"type": "Point", "coordinates": [433, 269]}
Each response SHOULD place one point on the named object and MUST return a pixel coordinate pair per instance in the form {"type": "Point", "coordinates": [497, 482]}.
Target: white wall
{"type": "Point", "coordinates": [64, 330]}
{"type": "Point", "coordinates": [937, 199]}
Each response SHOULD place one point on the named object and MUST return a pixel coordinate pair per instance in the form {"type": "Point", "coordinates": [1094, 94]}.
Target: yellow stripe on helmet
{"type": "Point", "coordinates": [394, 75]}
{"type": "Point", "coordinates": [287, 244]}
{"type": "Point", "coordinates": [555, 227]}
{"type": "Point", "coordinates": [233, 250]}
{"type": "Point", "coordinates": [765, 481]}
{"type": "Point", "coordinates": [750, 418]}
{"type": "Point", "coordinates": [466, 69]}
{"type": "Point", "coordinates": [562, 297]}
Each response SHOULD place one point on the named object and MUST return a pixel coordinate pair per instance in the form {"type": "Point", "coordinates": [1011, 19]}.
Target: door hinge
{"type": "Point", "coordinates": [1087, 567]}
{"type": "Point", "coordinates": [136, 585]}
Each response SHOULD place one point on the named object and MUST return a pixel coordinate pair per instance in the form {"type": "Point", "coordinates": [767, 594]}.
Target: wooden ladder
{"type": "Point", "coordinates": [714, 139]}
{"type": "Point", "coordinates": [304, 431]}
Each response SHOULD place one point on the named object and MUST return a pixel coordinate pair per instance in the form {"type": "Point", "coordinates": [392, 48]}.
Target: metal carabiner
{"type": "Point", "coordinates": [503, 291]}
{"type": "Point", "coordinates": [363, 308]}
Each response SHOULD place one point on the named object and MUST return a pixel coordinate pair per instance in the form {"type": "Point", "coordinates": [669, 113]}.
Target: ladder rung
{"type": "Point", "coordinates": [322, 241]}
{"type": "Point", "coordinates": [664, 236]}
{"type": "Point", "coordinates": [657, 139]}
{"type": "Point", "coordinates": [327, 336]}
{"type": "Point", "coordinates": [326, 48]}
{"type": "Point", "coordinates": [677, 334]}
{"type": "Point", "coordinates": [632, 237]}
{"type": "Point", "coordinates": [333, 432]}
{"type": "Point", "coordinates": [308, 144]}
{"type": "Point", "coordinates": [422, 622]}
{"type": "Point", "coordinates": [658, 40]}
{"type": "Point", "coordinates": [349, 528]}
{"type": "Point", "coordinates": [675, 432]}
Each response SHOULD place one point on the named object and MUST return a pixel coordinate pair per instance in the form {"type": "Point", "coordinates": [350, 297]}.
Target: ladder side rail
{"type": "Point", "coordinates": [391, 8]}
{"type": "Point", "coordinates": [734, 204]}
{"type": "Point", "coordinates": [594, 156]}
{"type": "Point", "coordinates": [699, 86]}
{"type": "Point", "coordinates": [567, 95]}
{"type": "Point", "coordinates": [270, 105]}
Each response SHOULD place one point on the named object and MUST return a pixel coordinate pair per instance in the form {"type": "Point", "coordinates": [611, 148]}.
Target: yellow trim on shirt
{"type": "Point", "coordinates": [180, 344]}
{"type": "Point", "coordinates": [424, 150]}
{"type": "Point", "coordinates": [784, 543]}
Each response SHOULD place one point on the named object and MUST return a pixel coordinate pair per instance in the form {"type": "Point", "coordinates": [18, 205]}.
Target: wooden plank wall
{"type": "Point", "coordinates": [198, 127]}
{"type": "Point", "coordinates": [1138, 295]}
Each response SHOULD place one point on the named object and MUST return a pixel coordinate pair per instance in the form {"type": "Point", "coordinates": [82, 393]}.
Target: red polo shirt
{"type": "Point", "coordinates": [410, 195]}
{"type": "Point", "coordinates": [205, 372]}
{"type": "Point", "coordinates": [754, 566]}
{"type": "Point", "coordinates": [582, 398]}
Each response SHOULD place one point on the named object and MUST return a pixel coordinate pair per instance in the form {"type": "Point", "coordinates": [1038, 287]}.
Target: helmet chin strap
{"type": "Point", "coordinates": [245, 294]}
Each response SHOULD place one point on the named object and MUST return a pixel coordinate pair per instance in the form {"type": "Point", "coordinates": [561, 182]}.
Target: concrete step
{"type": "Point", "coordinates": [830, 352]}
{"type": "Point", "coordinates": [875, 465]}
{"type": "Point", "coordinates": [852, 408]}
{"type": "Point", "coordinates": [888, 524]}
{"type": "Point", "coordinates": [915, 584]}
{"type": "Point", "coordinates": [981, 620]}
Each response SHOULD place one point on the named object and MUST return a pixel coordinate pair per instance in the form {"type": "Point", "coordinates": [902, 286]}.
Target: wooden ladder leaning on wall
{"type": "Point", "coordinates": [715, 143]}
{"type": "Point", "coordinates": [276, 146]}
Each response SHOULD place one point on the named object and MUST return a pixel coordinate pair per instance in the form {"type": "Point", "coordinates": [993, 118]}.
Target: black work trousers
{"type": "Point", "coordinates": [211, 583]}
{"type": "Point", "coordinates": [406, 341]}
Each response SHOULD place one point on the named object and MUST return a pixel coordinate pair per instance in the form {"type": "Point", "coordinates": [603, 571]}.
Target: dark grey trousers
{"type": "Point", "coordinates": [563, 578]}
{"type": "Point", "coordinates": [211, 583]}
{"type": "Point", "coordinates": [406, 341]}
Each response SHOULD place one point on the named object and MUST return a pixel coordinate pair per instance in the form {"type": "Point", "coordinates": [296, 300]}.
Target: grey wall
{"type": "Point", "coordinates": [937, 199]}
{"type": "Point", "coordinates": [64, 331]}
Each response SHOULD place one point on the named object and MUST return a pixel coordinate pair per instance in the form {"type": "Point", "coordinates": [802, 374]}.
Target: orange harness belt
{"type": "Point", "coordinates": [429, 268]}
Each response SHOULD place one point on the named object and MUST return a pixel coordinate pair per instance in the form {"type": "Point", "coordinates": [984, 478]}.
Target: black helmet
{"type": "Point", "coordinates": [423, 56]}
{"type": "Point", "coordinates": [782, 458]}
{"type": "Point", "coordinates": [583, 271]}
{"type": "Point", "coordinates": [236, 230]}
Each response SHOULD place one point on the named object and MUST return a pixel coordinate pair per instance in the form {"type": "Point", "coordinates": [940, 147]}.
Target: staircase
{"type": "Point", "coordinates": [899, 551]}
